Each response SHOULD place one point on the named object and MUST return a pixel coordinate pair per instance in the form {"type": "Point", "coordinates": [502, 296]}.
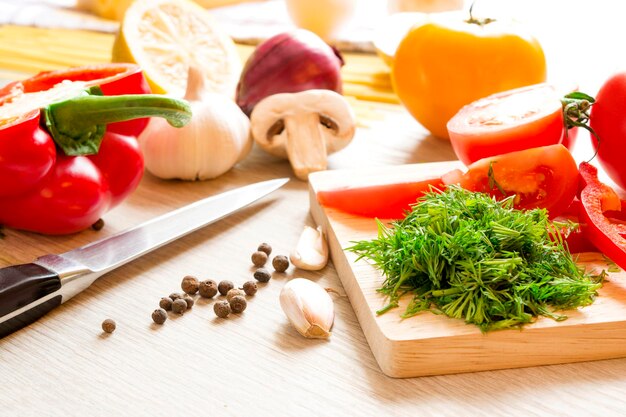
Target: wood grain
{"type": "Point", "coordinates": [256, 364]}
{"type": "Point", "coordinates": [430, 344]}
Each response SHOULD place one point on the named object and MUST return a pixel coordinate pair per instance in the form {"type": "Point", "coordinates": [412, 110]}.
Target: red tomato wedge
{"type": "Point", "coordinates": [545, 177]}
{"type": "Point", "coordinates": [385, 201]}
{"type": "Point", "coordinates": [523, 118]}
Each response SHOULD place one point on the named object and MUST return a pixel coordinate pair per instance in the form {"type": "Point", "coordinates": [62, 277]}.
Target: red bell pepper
{"type": "Point", "coordinates": [576, 239]}
{"type": "Point", "coordinates": [602, 214]}
{"type": "Point", "coordinates": [113, 79]}
{"type": "Point", "coordinates": [64, 163]}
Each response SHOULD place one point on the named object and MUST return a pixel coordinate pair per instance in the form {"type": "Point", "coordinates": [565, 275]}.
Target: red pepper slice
{"type": "Point", "coordinates": [576, 240]}
{"type": "Point", "coordinates": [601, 212]}
{"type": "Point", "coordinates": [385, 201]}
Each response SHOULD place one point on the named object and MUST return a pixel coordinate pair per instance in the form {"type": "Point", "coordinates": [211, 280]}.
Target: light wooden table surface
{"type": "Point", "coordinates": [255, 364]}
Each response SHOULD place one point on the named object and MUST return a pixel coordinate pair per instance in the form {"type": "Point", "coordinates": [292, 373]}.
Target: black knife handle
{"type": "Point", "coordinates": [21, 285]}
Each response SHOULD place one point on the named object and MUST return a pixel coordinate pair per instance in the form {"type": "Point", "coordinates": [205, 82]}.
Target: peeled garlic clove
{"type": "Point", "coordinates": [311, 252]}
{"type": "Point", "coordinates": [308, 307]}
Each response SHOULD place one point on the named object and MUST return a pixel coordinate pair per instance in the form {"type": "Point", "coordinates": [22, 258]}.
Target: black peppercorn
{"type": "Point", "coordinates": [159, 316]}
{"type": "Point", "coordinates": [250, 287]}
{"type": "Point", "coordinates": [262, 275]}
{"type": "Point", "coordinates": [259, 258]}
{"type": "Point", "coordinates": [238, 304]}
{"type": "Point", "coordinates": [175, 296]}
{"type": "Point", "coordinates": [222, 309]}
{"type": "Point", "coordinates": [179, 306]}
{"type": "Point", "coordinates": [208, 288]}
{"type": "Point", "coordinates": [225, 286]}
{"type": "Point", "coordinates": [265, 247]}
{"type": "Point", "coordinates": [235, 291]}
{"type": "Point", "coordinates": [280, 263]}
{"type": "Point", "coordinates": [189, 300]}
{"type": "Point", "coordinates": [108, 325]}
{"type": "Point", "coordinates": [190, 285]}
{"type": "Point", "coordinates": [166, 303]}
{"type": "Point", "coordinates": [98, 225]}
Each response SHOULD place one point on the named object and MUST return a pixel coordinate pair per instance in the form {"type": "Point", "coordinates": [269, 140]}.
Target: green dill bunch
{"type": "Point", "coordinates": [468, 256]}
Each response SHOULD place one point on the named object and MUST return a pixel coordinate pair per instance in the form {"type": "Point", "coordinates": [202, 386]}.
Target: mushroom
{"type": "Point", "coordinates": [304, 127]}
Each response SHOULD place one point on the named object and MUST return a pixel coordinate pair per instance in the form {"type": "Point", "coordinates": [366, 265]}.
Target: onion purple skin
{"type": "Point", "coordinates": [288, 63]}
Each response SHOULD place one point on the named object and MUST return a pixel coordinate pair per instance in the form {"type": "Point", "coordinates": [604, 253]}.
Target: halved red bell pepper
{"type": "Point", "coordinates": [113, 79]}
{"type": "Point", "coordinates": [62, 164]}
{"type": "Point", "coordinates": [603, 215]}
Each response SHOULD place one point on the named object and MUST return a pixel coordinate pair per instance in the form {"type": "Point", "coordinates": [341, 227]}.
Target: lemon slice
{"type": "Point", "coordinates": [165, 37]}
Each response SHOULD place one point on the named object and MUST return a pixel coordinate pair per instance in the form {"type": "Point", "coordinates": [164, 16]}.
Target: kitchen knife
{"type": "Point", "coordinates": [29, 291]}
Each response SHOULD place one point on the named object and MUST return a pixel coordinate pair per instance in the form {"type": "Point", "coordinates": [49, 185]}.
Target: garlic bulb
{"type": "Point", "coordinates": [308, 307]}
{"type": "Point", "coordinates": [311, 252]}
{"type": "Point", "coordinates": [216, 138]}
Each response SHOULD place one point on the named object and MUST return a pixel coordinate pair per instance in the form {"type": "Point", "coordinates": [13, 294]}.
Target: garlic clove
{"type": "Point", "coordinates": [311, 252]}
{"type": "Point", "coordinates": [308, 307]}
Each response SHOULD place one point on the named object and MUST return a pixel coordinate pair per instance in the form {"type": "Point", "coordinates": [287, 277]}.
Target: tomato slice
{"type": "Point", "coordinates": [545, 177]}
{"type": "Point", "coordinates": [523, 118]}
{"type": "Point", "coordinates": [385, 201]}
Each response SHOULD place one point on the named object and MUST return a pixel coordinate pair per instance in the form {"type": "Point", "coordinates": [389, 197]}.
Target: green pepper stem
{"type": "Point", "coordinates": [77, 125]}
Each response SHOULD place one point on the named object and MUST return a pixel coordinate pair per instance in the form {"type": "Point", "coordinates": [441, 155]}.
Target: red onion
{"type": "Point", "coordinates": [288, 63]}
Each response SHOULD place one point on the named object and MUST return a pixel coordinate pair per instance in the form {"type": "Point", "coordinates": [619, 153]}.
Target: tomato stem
{"type": "Point", "coordinates": [476, 21]}
{"type": "Point", "coordinates": [576, 107]}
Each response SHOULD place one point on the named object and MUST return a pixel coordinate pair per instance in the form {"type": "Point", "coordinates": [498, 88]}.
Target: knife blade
{"type": "Point", "coordinates": [28, 291]}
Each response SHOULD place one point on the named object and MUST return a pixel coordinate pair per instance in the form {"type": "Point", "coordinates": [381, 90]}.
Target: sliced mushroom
{"type": "Point", "coordinates": [305, 127]}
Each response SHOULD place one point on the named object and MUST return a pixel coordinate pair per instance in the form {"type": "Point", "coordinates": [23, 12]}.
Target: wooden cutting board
{"type": "Point", "coordinates": [430, 344]}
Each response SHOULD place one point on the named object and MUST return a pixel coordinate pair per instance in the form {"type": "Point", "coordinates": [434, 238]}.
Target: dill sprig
{"type": "Point", "coordinates": [468, 256]}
